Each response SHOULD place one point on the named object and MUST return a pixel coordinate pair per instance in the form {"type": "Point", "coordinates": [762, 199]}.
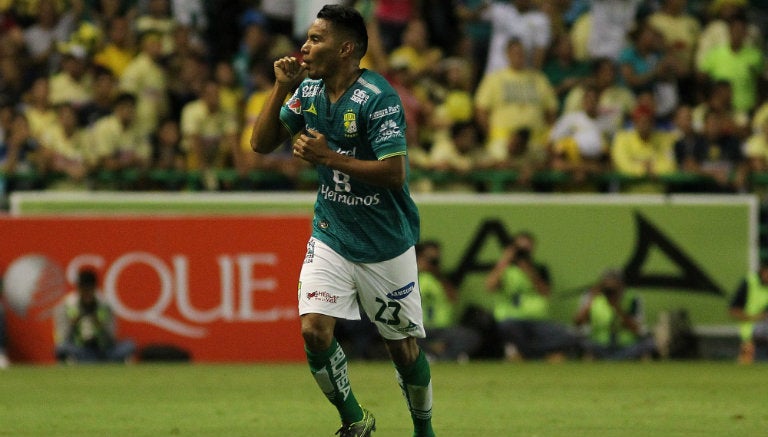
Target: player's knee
{"type": "Point", "coordinates": [317, 332]}
{"type": "Point", "coordinates": [403, 352]}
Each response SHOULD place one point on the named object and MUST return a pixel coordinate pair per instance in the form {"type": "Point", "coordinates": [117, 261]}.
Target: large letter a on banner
{"type": "Point", "coordinates": [691, 277]}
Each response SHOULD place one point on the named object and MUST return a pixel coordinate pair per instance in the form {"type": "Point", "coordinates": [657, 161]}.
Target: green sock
{"type": "Point", "coordinates": [330, 371]}
{"type": "Point", "coordinates": [416, 383]}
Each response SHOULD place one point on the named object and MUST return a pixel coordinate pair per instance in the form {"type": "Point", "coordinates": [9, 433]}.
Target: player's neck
{"type": "Point", "coordinates": [337, 85]}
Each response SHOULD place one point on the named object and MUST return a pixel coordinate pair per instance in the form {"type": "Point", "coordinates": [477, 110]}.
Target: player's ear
{"type": "Point", "coordinates": [347, 47]}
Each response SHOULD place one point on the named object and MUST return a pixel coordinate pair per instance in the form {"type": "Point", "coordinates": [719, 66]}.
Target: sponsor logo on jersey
{"type": "Point", "coordinates": [389, 129]}
{"type": "Point", "coordinates": [294, 105]}
{"type": "Point", "coordinates": [402, 293]}
{"type": "Point", "coordinates": [311, 109]}
{"type": "Point", "coordinates": [322, 296]}
{"type": "Point", "coordinates": [349, 199]}
{"type": "Point", "coordinates": [310, 256]}
{"type": "Point", "coordinates": [384, 112]}
{"type": "Point", "coordinates": [359, 96]}
{"type": "Point", "coordinates": [310, 90]}
{"type": "Point", "coordinates": [350, 124]}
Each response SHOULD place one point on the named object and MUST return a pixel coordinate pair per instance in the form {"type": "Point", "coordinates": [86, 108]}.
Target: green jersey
{"type": "Point", "coordinates": [360, 221]}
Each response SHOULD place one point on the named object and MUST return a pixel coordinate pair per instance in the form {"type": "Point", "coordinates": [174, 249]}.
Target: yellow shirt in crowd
{"type": "Point", "coordinates": [514, 100]}
{"type": "Point", "coordinates": [633, 156]}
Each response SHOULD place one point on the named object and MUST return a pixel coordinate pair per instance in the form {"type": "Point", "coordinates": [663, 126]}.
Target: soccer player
{"type": "Point", "coordinates": [349, 123]}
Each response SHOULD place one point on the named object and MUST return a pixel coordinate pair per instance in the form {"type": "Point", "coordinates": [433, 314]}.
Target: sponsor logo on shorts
{"type": "Point", "coordinates": [322, 296]}
{"type": "Point", "coordinates": [401, 293]}
{"type": "Point", "coordinates": [411, 327]}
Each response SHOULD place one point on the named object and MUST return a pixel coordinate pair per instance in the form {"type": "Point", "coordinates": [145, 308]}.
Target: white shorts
{"type": "Point", "coordinates": [387, 291]}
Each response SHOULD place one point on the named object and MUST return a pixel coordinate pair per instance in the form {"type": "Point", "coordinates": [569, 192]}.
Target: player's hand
{"type": "Point", "coordinates": [312, 147]}
{"type": "Point", "coordinates": [288, 70]}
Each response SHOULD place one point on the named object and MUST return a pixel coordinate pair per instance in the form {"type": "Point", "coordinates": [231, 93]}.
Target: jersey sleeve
{"type": "Point", "coordinates": [291, 115]}
{"type": "Point", "coordinates": [386, 126]}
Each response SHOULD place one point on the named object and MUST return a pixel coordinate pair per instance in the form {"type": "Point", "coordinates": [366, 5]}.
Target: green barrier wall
{"type": "Point", "coordinates": [678, 251]}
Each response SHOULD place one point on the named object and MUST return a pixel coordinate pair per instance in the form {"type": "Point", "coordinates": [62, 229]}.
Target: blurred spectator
{"type": "Point", "coordinates": [104, 11]}
{"type": "Point", "coordinates": [446, 339]}
{"type": "Point", "coordinates": [536, 32]}
{"type": "Point", "coordinates": [279, 15]}
{"type": "Point", "coordinates": [119, 49]}
{"type": "Point", "coordinates": [37, 107]}
{"type": "Point", "coordinates": [749, 306]}
{"type": "Point", "coordinates": [116, 142]}
{"type": "Point", "coordinates": [609, 24]}
{"type": "Point", "coordinates": [504, 19]}
{"type": "Point", "coordinates": [577, 142]}
{"type": "Point", "coordinates": [19, 152]}
{"type": "Point", "coordinates": [458, 151]}
{"type": "Point", "coordinates": [415, 52]}
{"type": "Point", "coordinates": [281, 161]}
{"type": "Point", "coordinates": [615, 321]}
{"type": "Point", "coordinates": [231, 94]}
{"type": "Point", "coordinates": [209, 134]}
{"type": "Point", "coordinates": [73, 84]}
{"type": "Point", "coordinates": [392, 17]}
{"type": "Point", "coordinates": [442, 22]}
{"type": "Point", "coordinates": [418, 111]}
{"type": "Point", "coordinates": [512, 99]}
{"type": "Point", "coordinates": [86, 328]}
{"type": "Point", "coordinates": [64, 148]}
{"type": "Point", "coordinates": [756, 150]}
{"type": "Point", "coordinates": [522, 308]}
{"type": "Point", "coordinates": [191, 14]}
{"type": "Point", "coordinates": [13, 69]}
{"type": "Point", "coordinates": [257, 45]}
{"type": "Point", "coordinates": [690, 146]}
{"type": "Point", "coordinates": [158, 19]}
{"type": "Point", "coordinates": [168, 162]}
{"type": "Point", "coordinates": [680, 31]}
{"type": "Point", "coordinates": [646, 67]}
{"type": "Point", "coordinates": [42, 37]}
{"type": "Point", "coordinates": [719, 100]}
{"type": "Point", "coordinates": [562, 68]}
{"type": "Point", "coordinates": [522, 21]}
{"type": "Point", "coordinates": [146, 78]}
{"type": "Point", "coordinates": [615, 100]}
{"type": "Point", "coordinates": [643, 150]}
{"type": "Point", "coordinates": [738, 62]}
{"type": "Point", "coordinates": [104, 93]}
{"type": "Point", "coordinates": [524, 155]}
{"type": "Point", "coordinates": [723, 161]}
{"type": "Point", "coordinates": [716, 32]}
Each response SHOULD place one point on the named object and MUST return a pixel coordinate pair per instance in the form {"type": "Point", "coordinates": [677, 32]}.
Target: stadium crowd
{"type": "Point", "coordinates": [518, 95]}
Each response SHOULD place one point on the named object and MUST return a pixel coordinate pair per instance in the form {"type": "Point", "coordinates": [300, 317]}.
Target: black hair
{"type": "Point", "coordinates": [426, 244]}
{"type": "Point", "coordinates": [86, 278]}
{"type": "Point", "coordinates": [125, 98]}
{"type": "Point", "coordinates": [347, 20]}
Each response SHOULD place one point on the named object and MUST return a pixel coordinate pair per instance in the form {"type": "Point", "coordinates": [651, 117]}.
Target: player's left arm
{"type": "Point", "coordinates": [388, 172]}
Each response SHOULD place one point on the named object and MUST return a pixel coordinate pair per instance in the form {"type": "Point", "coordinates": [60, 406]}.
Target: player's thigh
{"type": "Point", "coordinates": [389, 294]}
{"type": "Point", "coordinates": [326, 284]}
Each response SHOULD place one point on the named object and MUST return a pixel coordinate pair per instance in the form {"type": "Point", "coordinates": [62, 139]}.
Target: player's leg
{"type": "Point", "coordinates": [389, 294]}
{"type": "Point", "coordinates": [415, 380]}
{"type": "Point", "coordinates": [325, 293]}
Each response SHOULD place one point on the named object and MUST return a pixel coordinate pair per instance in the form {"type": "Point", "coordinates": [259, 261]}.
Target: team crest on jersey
{"type": "Point", "coordinates": [350, 124]}
{"type": "Point", "coordinates": [294, 105]}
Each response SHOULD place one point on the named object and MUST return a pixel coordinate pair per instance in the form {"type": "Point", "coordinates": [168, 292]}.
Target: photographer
{"type": "Point", "coordinates": [615, 320]}
{"type": "Point", "coordinates": [85, 327]}
{"type": "Point", "coordinates": [521, 310]}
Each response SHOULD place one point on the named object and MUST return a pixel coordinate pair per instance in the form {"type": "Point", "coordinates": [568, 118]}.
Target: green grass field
{"type": "Point", "coordinates": [485, 398]}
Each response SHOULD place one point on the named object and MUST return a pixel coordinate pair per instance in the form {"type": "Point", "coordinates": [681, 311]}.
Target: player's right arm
{"type": "Point", "coordinates": [268, 131]}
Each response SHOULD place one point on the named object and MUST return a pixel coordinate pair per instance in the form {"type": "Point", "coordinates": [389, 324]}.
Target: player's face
{"type": "Point", "coordinates": [321, 50]}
